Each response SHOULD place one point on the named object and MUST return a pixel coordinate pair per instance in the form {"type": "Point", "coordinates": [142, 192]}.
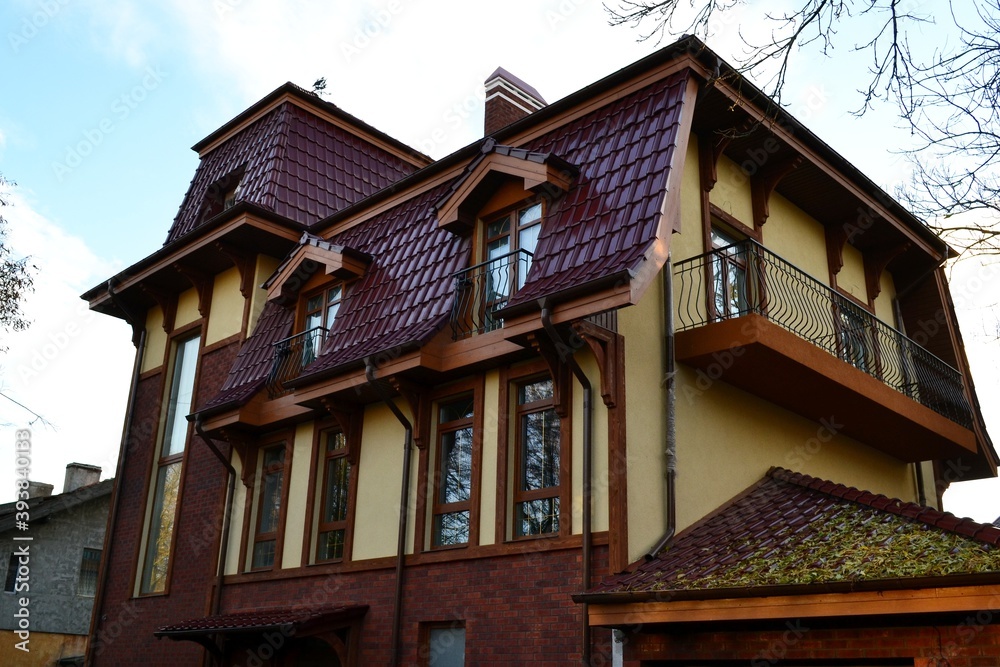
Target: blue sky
{"type": "Point", "coordinates": [102, 101]}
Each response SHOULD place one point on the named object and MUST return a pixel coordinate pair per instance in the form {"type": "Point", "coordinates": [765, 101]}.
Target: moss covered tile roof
{"type": "Point", "coordinates": [793, 529]}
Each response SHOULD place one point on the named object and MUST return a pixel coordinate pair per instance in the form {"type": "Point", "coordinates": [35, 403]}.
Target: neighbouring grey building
{"type": "Point", "coordinates": [64, 552]}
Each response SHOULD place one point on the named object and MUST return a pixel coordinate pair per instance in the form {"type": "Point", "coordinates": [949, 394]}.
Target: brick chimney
{"type": "Point", "coordinates": [79, 475]}
{"type": "Point", "coordinates": [39, 490]}
{"type": "Point", "coordinates": [508, 99]}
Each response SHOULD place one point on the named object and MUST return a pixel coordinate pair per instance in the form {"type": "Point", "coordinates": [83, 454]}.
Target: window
{"type": "Point", "coordinates": [854, 336]}
{"type": "Point", "coordinates": [159, 539]}
{"type": "Point", "coordinates": [272, 475]}
{"type": "Point", "coordinates": [729, 275]}
{"type": "Point", "coordinates": [537, 486]}
{"type": "Point", "coordinates": [443, 644]}
{"type": "Point", "coordinates": [335, 498]}
{"type": "Point", "coordinates": [320, 311]}
{"type": "Point", "coordinates": [453, 476]}
{"type": "Point", "coordinates": [9, 582]}
{"type": "Point", "coordinates": [89, 564]}
{"type": "Point", "coordinates": [510, 245]}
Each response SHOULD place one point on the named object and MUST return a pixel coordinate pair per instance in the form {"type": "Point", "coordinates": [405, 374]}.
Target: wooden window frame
{"type": "Point", "coordinates": [473, 387]}
{"type": "Point", "coordinates": [83, 561]}
{"type": "Point", "coordinates": [178, 337]}
{"type": "Point", "coordinates": [347, 524]}
{"type": "Point", "coordinates": [508, 444]}
{"type": "Point", "coordinates": [253, 480]}
{"type": "Point", "coordinates": [281, 467]}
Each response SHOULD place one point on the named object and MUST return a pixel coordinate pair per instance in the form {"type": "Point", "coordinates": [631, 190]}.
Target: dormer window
{"type": "Point", "coordinates": [232, 196]}
{"type": "Point", "coordinates": [321, 308]}
{"type": "Point", "coordinates": [514, 231]}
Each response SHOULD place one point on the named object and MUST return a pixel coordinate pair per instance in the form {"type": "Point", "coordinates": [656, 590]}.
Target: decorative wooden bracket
{"type": "Point", "coordinates": [201, 282]}
{"type": "Point", "coordinates": [244, 263]}
{"type": "Point", "coordinates": [559, 371]}
{"type": "Point", "coordinates": [711, 148]}
{"type": "Point", "coordinates": [166, 302]}
{"type": "Point", "coordinates": [604, 344]}
{"type": "Point", "coordinates": [836, 239]}
{"type": "Point", "coordinates": [237, 440]}
{"type": "Point", "coordinates": [875, 263]}
{"type": "Point", "coordinates": [349, 418]}
{"type": "Point", "coordinates": [414, 397]}
{"type": "Point", "coordinates": [764, 183]}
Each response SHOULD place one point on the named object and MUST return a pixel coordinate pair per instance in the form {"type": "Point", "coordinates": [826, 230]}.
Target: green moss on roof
{"type": "Point", "coordinates": [853, 543]}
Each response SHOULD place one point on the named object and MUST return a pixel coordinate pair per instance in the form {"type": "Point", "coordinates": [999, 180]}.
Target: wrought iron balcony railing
{"type": "Point", "coordinates": [483, 289]}
{"type": "Point", "coordinates": [290, 356]}
{"type": "Point", "coordinates": [746, 278]}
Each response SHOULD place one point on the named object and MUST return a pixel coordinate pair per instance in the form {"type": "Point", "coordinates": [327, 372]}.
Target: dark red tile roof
{"type": "Point", "coordinates": [259, 620]}
{"type": "Point", "coordinates": [295, 164]}
{"type": "Point", "coordinates": [598, 230]}
{"type": "Point", "coordinates": [795, 529]}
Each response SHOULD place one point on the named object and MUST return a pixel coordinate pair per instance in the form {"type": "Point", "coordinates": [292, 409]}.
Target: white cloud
{"type": "Point", "coordinates": [72, 366]}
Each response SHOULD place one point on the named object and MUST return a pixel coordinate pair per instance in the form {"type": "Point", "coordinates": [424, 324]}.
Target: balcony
{"type": "Point", "coordinates": [290, 356]}
{"type": "Point", "coordinates": [483, 289]}
{"type": "Point", "coordinates": [749, 317]}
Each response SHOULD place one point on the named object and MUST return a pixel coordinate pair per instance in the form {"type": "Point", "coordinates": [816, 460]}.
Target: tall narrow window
{"type": "Point", "coordinates": [454, 472]}
{"type": "Point", "coordinates": [89, 564]}
{"type": "Point", "coordinates": [510, 245]}
{"type": "Point", "coordinates": [269, 507]}
{"type": "Point", "coordinates": [333, 516]}
{"type": "Point", "coordinates": [538, 484]}
{"type": "Point", "coordinates": [729, 275]}
{"type": "Point", "coordinates": [159, 539]}
{"type": "Point", "coordinates": [320, 311]}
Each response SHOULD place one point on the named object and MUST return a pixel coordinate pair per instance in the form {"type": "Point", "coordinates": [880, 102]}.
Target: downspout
{"type": "Point", "coordinates": [670, 411]}
{"type": "Point", "coordinates": [404, 498]}
{"type": "Point", "coordinates": [588, 418]}
{"type": "Point", "coordinates": [140, 352]}
{"type": "Point", "coordinates": [226, 517]}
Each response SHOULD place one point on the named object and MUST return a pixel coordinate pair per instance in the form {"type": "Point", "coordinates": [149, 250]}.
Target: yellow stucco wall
{"type": "Point", "coordinates": [236, 522]}
{"type": "Point", "coordinates": [732, 190]}
{"type": "Point", "coordinates": [488, 497]}
{"type": "Point", "coordinates": [599, 449]}
{"type": "Point", "coordinates": [642, 326]}
{"type": "Point", "coordinates": [883, 303]}
{"type": "Point", "coordinates": [376, 513]}
{"type": "Point", "coordinates": [263, 270]}
{"type": "Point", "coordinates": [851, 278]}
{"type": "Point", "coordinates": [298, 490]}
{"type": "Point", "coordinates": [727, 439]}
{"type": "Point", "coordinates": [46, 648]}
{"type": "Point", "coordinates": [156, 340]}
{"type": "Point", "coordinates": [226, 316]}
{"type": "Point", "coordinates": [794, 236]}
{"type": "Point", "coordinates": [689, 242]}
{"type": "Point", "coordinates": [187, 308]}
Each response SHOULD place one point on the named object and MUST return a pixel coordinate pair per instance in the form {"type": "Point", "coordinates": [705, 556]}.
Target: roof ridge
{"type": "Point", "coordinates": [911, 511]}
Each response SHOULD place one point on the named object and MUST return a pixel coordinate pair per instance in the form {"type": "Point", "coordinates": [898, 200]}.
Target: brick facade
{"type": "Point", "coordinates": [963, 640]}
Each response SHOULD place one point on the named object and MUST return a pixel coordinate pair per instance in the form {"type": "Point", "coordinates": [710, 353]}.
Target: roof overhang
{"type": "Point", "coordinates": [310, 256]}
{"type": "Point", "coordinates": [627, 609]}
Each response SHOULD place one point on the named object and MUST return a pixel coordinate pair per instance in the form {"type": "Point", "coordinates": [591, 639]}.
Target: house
{"type": "Point", "coordinates": [50, 550]}
{"type": "Point", "coordinates": [507, 406]}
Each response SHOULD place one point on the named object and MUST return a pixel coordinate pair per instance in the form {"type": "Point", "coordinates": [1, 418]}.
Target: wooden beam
{"type": "Point", "coordinates": [244, 263]}
{"type": "Point", "coordinates": [558, 369]}
{"type": "Point", "coordinates": [603, 343]}
{"type": "Point", "coordinates": [875, 263]}
{"type": "Point", "coordinates": [202, 284]}
{"type": "Point", "coordinates": [414, 395]}
{"type": "Point", "coordinates": [349, 418]}
{"type": "Point", "coordinates": [821, 605]}
{"type": "Point", "coordinates": [166, 302]}
{"type": "Point", "coordinates": [836, 239]}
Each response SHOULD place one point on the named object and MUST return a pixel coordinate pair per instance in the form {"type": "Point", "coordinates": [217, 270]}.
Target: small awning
{"type": "Point", "coordinates": [299, 621]}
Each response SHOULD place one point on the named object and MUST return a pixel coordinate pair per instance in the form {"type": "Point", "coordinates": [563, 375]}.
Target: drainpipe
{"type": "Point", "coordinates": [226, 517]}
{"type": "Point", "coordinates": [670, 411]}
{"type": "Point", "coordinates": [404, 498]}
{"type": "Point", "coordinates": [140, 351]}
{"type": "Point", "coordinates": [588, 418]}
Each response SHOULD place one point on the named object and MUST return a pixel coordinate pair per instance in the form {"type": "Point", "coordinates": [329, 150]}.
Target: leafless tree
{"type": "Point", "coordinates": [938, 63]}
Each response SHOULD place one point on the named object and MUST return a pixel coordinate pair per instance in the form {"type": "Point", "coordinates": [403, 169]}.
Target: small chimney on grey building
{"type": "Point", "coordinates": [39, 490]}
{"type": "Point", "coordinates": [508, 99]}
{"type": "Point", "coordinates": [79, 475]}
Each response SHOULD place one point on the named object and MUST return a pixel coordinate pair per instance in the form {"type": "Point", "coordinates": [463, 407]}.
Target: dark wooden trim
{"type": "Point", "coordinates": [244, 263]}
{"type": "Point", "coordinates": [167, 304]}
{"type": "Point", "coordinates": [151, 373]}
{"type": "Point", "coordinates": [763, 183]}
{"type": "Point", "coordinates": [836, 239]}
{"type": "Point", "coordinates": [414, 395]}
{"type": "Point", "coordinates": [219, 344]}
{"type": "Point", "coordinates": [202, 284]}
{"type": "Point", "coordinates": [503, 454]}
{"type": "Point", "coordinates": [876, 263]}
{"type": "Point", "coordinates": [732, 221]}
{"type": "Point", "coordinates": [602, 344]}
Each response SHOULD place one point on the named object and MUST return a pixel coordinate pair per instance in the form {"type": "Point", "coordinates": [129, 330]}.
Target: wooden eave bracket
{"type": "Point", "coordinates": [166, 302]}
{"type": "Point", "coordinates": [763, 184]}
{"type": "Point", "coordinates": [349, 418]}
{"type": "Point", "coordinates": [604, 344]}
{"type": "Point", "coordinates": [244, 263]}
{"type": "Point", "coordinates": [457, 213]}
{"type": "Point", "coordinates": [344, 264]}
{"type": "Point", "coordinates": [201, 282]}
{"type": "Point", "coordinates": [712, 146]}
{"type": "Point", "coordinates": [875, 264]}
{"type": "Point", "coordinates": [836, 239]}
{"type": "Point", "coordinates": [413, 394]}
{"type": "Point", "coordinates": [237, 440]}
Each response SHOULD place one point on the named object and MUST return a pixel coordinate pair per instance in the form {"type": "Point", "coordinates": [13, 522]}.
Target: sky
{"type": "Point", "coordinates": [101, 103]}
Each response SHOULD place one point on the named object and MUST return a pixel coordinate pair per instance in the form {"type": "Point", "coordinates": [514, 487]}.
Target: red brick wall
{"type": "Point", "coordinates": [966, 640]}
{"type": "Point", "coordinates": [125, 625]}
{"type": "Point", "coordinates": [500, 113]}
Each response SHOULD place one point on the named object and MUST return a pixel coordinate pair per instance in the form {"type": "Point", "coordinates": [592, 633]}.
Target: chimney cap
{"type": "Point", "coordinates": [501, 73]}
